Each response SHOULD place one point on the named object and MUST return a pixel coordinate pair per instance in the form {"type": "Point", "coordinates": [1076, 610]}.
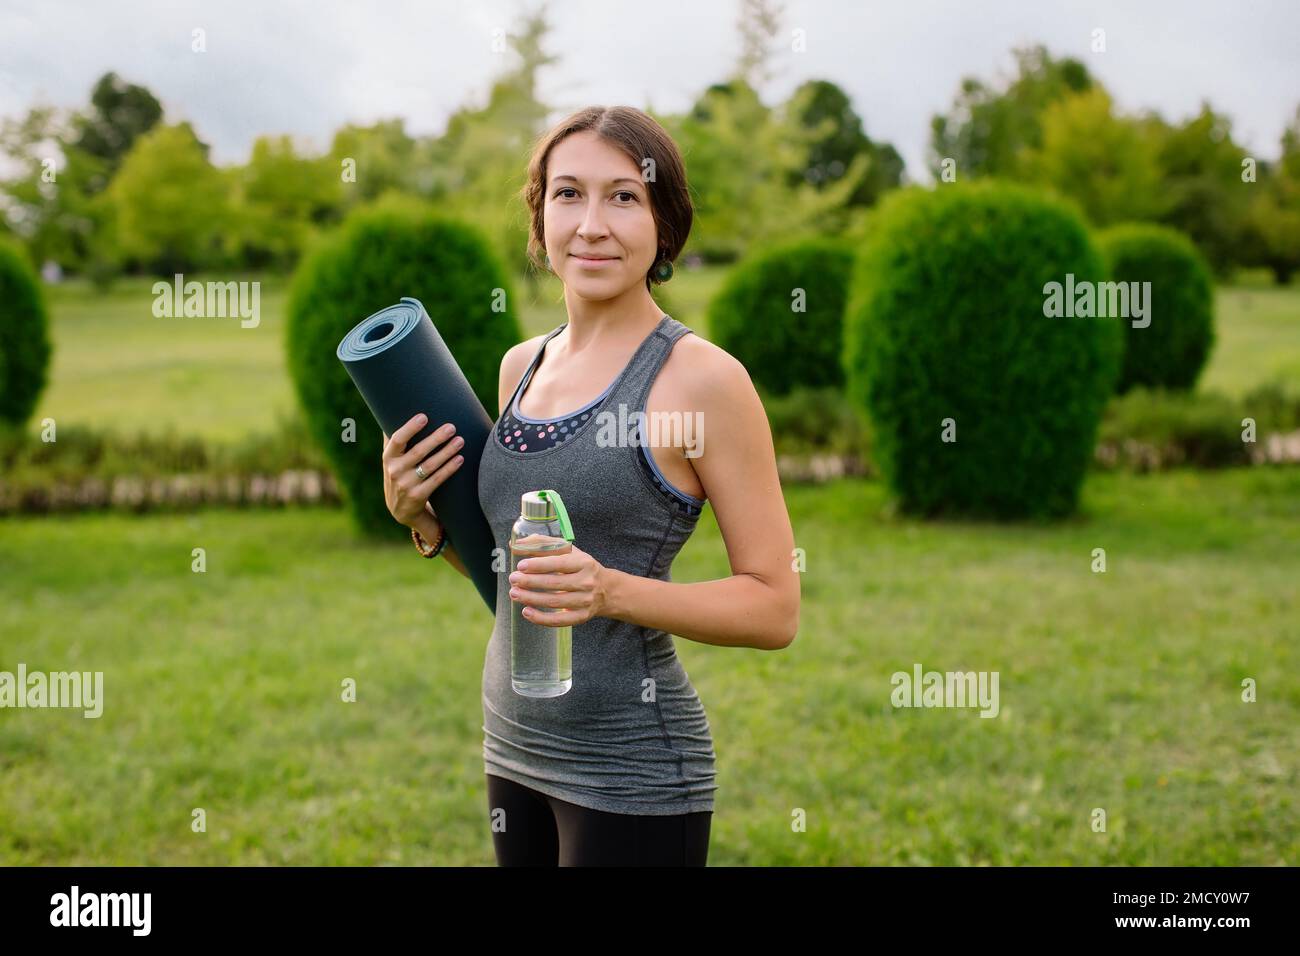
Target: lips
{"type": "Point", "coordinates": [580, 255]}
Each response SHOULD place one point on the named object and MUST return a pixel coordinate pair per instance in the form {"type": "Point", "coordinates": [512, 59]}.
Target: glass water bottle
{"type": "Point", "coordinates": [541, 657]}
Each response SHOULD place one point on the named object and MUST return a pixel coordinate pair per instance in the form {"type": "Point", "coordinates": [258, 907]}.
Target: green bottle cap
{"type": "Point", "coordinates": [553, 497]}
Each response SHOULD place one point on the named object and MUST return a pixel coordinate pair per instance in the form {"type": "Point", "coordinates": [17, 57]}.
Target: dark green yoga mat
{"type": "Point", "coordinates": [401, 366]}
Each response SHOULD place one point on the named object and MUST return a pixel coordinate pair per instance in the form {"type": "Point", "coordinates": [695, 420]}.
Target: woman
{"type": "Point", "coordinates": [620, 769]}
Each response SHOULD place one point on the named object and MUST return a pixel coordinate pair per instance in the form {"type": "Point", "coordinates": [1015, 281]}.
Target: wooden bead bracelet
{"type": "Point", "coordinates": [427, 550]}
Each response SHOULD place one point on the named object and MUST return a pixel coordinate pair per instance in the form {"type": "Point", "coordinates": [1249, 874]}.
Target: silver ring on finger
{"type": "Point", "coordinates": [419, 470]}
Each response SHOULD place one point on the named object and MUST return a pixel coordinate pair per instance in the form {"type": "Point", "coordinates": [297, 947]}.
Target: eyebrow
{"type": "Point", "coordinates": [621, 179]}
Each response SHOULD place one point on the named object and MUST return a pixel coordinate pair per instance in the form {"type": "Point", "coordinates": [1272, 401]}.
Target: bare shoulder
{"type": "Point", "coordinates": [513, 365]}
{"type": "Point", "coordinates": [706, 374]}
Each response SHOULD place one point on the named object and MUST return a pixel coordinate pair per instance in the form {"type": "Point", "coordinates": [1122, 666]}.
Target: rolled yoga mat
{"type": "Point", "coordinates": [401, 366]}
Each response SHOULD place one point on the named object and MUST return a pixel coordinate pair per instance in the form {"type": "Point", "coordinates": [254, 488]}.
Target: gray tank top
{"type": "Point", "coordinates": [631, 735]}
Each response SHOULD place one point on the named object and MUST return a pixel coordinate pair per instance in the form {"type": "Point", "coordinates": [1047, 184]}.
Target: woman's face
{"type": "Point", "coordinates": [597, 205]}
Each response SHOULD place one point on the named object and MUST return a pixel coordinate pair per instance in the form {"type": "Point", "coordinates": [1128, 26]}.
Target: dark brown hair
{"type": "Point", "coordinates": [641, 138]}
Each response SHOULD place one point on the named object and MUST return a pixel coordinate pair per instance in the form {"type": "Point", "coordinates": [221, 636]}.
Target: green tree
{"type": "Point", "coordinates": [64, 216]}
{"type": "Point", "coordinates": [380, 254]}
{"type": "Point", "coordinates": [481, 160]}
{"type": "Point", "coordinates": [32, 145]}
{"type": "Point", "coordinates": [119, 113]}
{"type": "Point", "coordinates": [742, 158]}
{"type": "Point", "coordinates": [51, 203]}
{"type": "Point", "coordinates": [25, 346]}
{"type": "Point", "coordinates": [280, 199]}
{"type": "Point", "coordinates": [979, 405]}
{"type": "Point", "coordinates": [56, 204]}
{"type": "Point", "coordinates": [1272, 228]}
{"type": "Point", "coordinates": [368, 161]}
{"type": "Point", "coordinates": [1204, 193]}
{"type": "Point", "coordinates": [991, 127]}
{"type": "Point", "coordinates": [780, 312]}
{"type": "Point", "coordinates": [747, 162]}
{"type": "Point", "coordinates": [823, 108]}
{"type": "Point", "coordinates": [1106, 163]}
{"type": "Point", "coordinates": [1171, 349]}
{"type": "Point", "coordinates": [169, 202]}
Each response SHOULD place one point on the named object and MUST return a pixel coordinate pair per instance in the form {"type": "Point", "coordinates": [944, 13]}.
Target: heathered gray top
{"type": "Point", "coordinates": [631, 735]}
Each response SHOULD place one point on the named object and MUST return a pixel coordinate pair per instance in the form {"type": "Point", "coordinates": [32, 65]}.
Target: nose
{"type": "Point", "coordinates": [593, 226]}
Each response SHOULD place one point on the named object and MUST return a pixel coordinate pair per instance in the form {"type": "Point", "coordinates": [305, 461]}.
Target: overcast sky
{"type": "Point", "coordinates": [307, 67]}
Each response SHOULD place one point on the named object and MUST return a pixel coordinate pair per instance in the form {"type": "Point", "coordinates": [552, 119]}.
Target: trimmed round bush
{"type": "Point", "coordinates": [24, 337]}
{"type": "Point", "coordinates": [981, 404]}
{"type": "Point", "coordinates": [374, 259]}
{"type": "Point", "coordinates": [1171, 343]}
{"type": "Point", "coordinates": [785, 338]}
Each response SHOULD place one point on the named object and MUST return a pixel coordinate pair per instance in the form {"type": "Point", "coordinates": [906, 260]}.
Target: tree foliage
{"type": "Point", "coordinates": [991, 127]}
{"type": "Point", "coordinates": [170, 204]}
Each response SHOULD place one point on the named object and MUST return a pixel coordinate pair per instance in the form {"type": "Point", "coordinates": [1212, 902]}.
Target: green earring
{"type": "Point", "coordinates": [664, 271]}
{"type": "Point", "coordinates": [547, 257]}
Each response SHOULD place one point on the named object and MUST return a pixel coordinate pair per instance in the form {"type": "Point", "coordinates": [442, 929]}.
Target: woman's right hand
{"type": "Point", "coordinates": [405, 492]}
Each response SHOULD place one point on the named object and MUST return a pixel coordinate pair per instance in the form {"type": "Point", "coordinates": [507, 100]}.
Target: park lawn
{"type": "Point", "coordinates": [1118, 690]}
{"type": "Point", "coordinates": [116, 365]}
{"type": "Point", "coordinates": [1258, 331]}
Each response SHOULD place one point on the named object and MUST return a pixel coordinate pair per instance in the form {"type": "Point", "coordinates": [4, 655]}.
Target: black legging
{"type": "Point", "coordinates": [541, 830]}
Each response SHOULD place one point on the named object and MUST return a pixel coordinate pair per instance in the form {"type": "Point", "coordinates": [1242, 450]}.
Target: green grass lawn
{"type": "Point", "coordinates": [117, 365]}
{"type": "Point", "coordinates": [1258, 332]}
{"type": "Point", "coordinates": [1118, 691]}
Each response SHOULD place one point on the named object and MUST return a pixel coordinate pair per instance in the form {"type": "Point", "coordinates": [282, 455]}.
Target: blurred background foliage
{"type": "Point", "coordinates": [133, 190]}
{"type": "Point", "coordinates": [114, 192]}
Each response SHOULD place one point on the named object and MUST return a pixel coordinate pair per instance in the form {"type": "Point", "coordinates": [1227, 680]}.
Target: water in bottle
{"type": "Point", "coordinates": [541, 657]}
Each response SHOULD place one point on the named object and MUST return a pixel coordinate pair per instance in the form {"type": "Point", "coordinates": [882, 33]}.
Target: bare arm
{"type": "Point", "coordinates": [743, 610]}
{"type": "Point", "coordinates": [428, 527]}
{"type": "Point", "coordinates": [758, 606]}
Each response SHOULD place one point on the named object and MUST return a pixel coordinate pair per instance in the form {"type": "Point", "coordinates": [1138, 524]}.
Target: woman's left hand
{"type": "Point", "coordinates": [573, 581]}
